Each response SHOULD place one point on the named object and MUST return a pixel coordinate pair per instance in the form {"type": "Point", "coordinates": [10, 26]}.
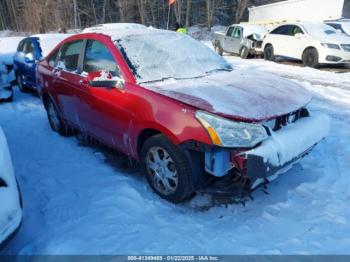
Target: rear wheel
{"type": "Point", "coordinates": [167, 169]}
{"type": "Point", "coordinates": [219, 49]}
{"type": "Point", "coordinates": [55, 120]}
{"type": "Point", "coordinates": [310, 58]}
{"type": "Point", "coordinates": [269, 53]}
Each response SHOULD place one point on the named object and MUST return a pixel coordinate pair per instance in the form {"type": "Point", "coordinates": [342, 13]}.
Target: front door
{"type": "Point", "coordinates": [105, 110]}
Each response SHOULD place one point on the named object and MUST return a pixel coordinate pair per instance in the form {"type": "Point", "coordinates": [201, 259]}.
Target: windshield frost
{"type": "Point", "coordinates": [155, 57]}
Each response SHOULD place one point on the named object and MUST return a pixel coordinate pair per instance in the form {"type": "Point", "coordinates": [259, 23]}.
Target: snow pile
{"type": "Point", "coordinates": [10, 211]}
{"type": "Point", "coordinates": [8, 48]}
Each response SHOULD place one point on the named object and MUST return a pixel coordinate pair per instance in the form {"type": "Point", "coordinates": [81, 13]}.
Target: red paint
{"type": "Point", "coordinates": [117, 116]}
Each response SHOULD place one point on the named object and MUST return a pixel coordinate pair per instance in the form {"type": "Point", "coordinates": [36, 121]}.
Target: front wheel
{"type": "Point", "coordinates": [310, 58]}
{"type": "Point", "coordinates": [269, 53]}
{"type": "Point", "coordinates": [55, 120]}
{"type": "Point", "coordinates": [244, 53]}
{"type": "Point", "coordinates": [167, 169]}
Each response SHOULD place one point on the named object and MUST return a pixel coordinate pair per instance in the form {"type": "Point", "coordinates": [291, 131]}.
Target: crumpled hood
{"type": "Point", "coordinates": [241, 94]}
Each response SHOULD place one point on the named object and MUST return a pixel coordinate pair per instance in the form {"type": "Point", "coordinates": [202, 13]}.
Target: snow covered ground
{"type": "Point", "coordinates": [84, 200]}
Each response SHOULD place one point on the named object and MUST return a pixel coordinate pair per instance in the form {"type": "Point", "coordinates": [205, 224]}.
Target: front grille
{"type": "Point", "coordinates": [282, 121]}
{"type": "Point", "coordinates": [346, 48]}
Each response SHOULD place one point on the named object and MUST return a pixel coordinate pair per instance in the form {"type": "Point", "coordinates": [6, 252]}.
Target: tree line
{"type": "Point", "coordinates": [52, 15]}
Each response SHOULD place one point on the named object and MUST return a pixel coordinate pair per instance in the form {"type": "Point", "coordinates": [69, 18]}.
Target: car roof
{"type": "Point", "coordinates": [122, 33]}
{"type": "Point", "coordinates": [114, 26]}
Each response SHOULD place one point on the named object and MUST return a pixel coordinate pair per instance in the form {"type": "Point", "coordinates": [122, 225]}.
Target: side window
{"type": "Point", "coordinates": [21, 46]}
{"type": "Point", "coordinates": [28, 47]}
{"type": "Point", "coordinates": [297, 30]}
{"type": "Point", "coordinates": [230, 31]}
{"type": "Point", "coordinates": [69, 58]}
{"type": "Point", "coordinates": [282, 30]}
{"type": "Point", "coordinates": [237, 33]}
{"type": "Point", "coordinates": [99, 58]}
{"type": "Point", "coordinates": [52, 59]}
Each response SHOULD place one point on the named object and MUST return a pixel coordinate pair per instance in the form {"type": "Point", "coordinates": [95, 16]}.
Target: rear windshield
{"type": "Point", "coordinates": [158, 56]}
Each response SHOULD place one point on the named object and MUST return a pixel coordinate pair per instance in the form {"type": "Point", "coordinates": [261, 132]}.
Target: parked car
{"type": "Point", "coordinates": [30, 50]}
{"type": "Point", "coordinates": [178, 108]}
{"type": "Point", "coordinates": [114, 26]}
{"type": "Point", "coordinates": [241, 39]}
{"type": "Point", "coordinates": [342, 25]}
{"type": "Point", "coordinates": [314, 43]}
{"type": "Point", "coordinates": [10, 207]}
{"type": "Point", "coordinates": [8, 47]}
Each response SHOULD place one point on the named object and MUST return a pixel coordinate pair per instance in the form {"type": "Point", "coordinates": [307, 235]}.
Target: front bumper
{"type": "Point", "coordinates": [272, 157]}
{"type": "Point", "coordinates": [284, 148]}
{"type": "Point", "coordinates": [334, 56]}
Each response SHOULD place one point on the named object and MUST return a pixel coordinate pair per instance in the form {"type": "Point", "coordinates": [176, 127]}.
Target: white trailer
{"type": "Point", "coordinates": [293, 10]}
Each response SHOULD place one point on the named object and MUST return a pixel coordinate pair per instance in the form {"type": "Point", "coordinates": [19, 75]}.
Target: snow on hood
{"type": "Point", "coordinates": [244, 94]}
{"type": "Point", "coordinates": [10, 210]}
{"type": "Point", "coordinates": [8, 48]}
{"type": "Point", "coordinates": [325, 33]}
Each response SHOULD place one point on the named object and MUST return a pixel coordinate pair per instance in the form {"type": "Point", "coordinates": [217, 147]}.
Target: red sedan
{"type": "Point", "coordinates": [182, 111]}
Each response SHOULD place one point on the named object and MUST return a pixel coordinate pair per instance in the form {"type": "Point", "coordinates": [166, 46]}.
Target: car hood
{"type": "Point", "coordinates": [245, 95]}
{"type": "Point", "coordinates": [335, 39]}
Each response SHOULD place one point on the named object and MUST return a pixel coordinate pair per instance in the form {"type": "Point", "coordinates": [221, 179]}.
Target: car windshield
{"type": "Point", "coordinates": [159, 56]}
{"type": "Point", "coordinates": [319, 30]}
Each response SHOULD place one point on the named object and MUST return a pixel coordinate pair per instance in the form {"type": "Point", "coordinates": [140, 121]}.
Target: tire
{"type": "Point", "coordinates": [167, 169]}
{"type": "Point", "coordinates": [244, 53]}
{"type": "Point", "coordinates": [269, 54]}
{"type": "Point", "coordinates": [55, 121]}
{"type": "Point", "coordinates": [219, 49]}
{"type": "Point", "coordinates": [310, 58]}
{"type": "Point", "coordinates": [22, 87]}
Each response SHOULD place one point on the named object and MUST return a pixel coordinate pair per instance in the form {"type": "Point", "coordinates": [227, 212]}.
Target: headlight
{"type": "Point", "coordinates": [333, 46]}
{"type": "Point", "coordinates": [227, 133]}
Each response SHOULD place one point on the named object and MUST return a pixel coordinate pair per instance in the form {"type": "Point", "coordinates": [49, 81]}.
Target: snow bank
{"type": "Point", "coordinates": [10, 211]}
{"type": "Point", "coordinates": [8, 48]}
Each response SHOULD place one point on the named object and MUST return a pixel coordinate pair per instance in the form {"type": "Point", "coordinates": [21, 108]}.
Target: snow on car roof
{"type": "Point", "coordinates": [8, 48]}
{"type": "Point", "coordinates": [249, 29]}
{"type": "Point", "coordinates": [114, 26]}
{"type": "Point", "coordinates": [49, 41]}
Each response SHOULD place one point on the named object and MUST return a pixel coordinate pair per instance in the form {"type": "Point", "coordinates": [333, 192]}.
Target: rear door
{"type": "Point", "coordinates": [105, 109]}
{"type": "Point", "coordinates": [279, 39]}
{"type": "Point", "coordinates": [67, 81]}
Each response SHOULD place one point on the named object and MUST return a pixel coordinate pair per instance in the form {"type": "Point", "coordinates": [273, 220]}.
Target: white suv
{"type": "Point", "coordinates": [312, 42]}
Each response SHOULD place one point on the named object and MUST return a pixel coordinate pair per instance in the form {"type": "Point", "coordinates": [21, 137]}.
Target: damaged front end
{"type": "Point", "coordinates": [288, 139]}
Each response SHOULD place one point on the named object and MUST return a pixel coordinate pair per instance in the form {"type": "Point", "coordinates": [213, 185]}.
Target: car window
{"type": "Point", "coordinates": [297, 30]}
{"type": "Point", "coordinates": [283, 30]}
{"type": "Point", "coordinates": [337, 27]}
{"type": "Point", "coordinates": [21, 46]}
{"type": "Point", "coordinates": [99, 58]}
{"type": "Point", "coordinates": [69, 57]}
{"type": "Point", "coordinates": [28, 47]}
{"type": "Point", "coordinates": [237, 33]}
{"type": "Point", "coordinates": [230, 31]}
{"type": "Point", "coordinates": [52, 59]}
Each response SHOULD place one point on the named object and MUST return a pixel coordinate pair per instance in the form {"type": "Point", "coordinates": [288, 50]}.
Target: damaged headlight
{"type": "Point", "coordinates": [227, 133]}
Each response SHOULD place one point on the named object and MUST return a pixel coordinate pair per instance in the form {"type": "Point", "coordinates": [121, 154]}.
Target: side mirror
{"type": "Point", "coordinates": [29, 58]}
{"type": "Point", "coordinates": [104, 79]}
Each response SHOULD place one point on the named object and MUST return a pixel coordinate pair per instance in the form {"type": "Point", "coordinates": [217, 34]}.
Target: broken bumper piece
{"type": "Point", "coordinates": [284, 148]}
